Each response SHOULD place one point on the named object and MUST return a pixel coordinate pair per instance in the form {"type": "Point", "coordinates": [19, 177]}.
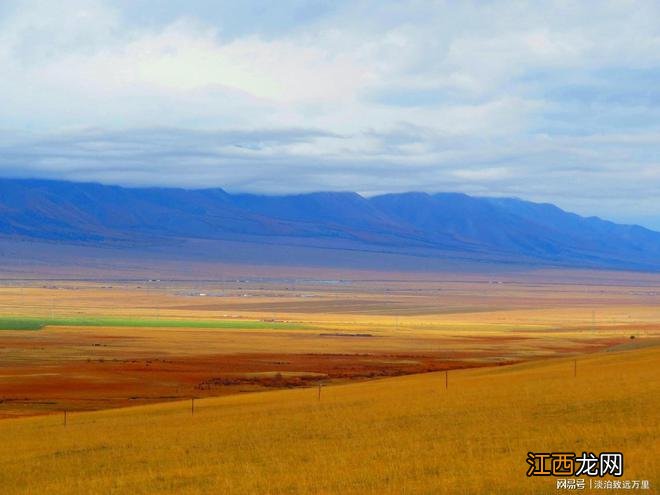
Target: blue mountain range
{"type": "Point", "coordinates": [499, 230]}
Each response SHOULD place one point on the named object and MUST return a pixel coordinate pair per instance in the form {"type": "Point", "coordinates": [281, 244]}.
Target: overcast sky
{"type": "Point", "coordinates": [548, 101]}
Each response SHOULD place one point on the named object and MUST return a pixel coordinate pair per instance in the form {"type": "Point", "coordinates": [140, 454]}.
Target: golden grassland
{"type": "Point", "coordinates": [392, 436]}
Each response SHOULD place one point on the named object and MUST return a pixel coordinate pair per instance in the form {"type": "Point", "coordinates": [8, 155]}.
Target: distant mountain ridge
{"type": "Point", "coordinates": [494, 229]}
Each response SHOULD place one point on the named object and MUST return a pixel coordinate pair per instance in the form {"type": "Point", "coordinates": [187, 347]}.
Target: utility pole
{"type": "Point", "coordinates": [593, 321]}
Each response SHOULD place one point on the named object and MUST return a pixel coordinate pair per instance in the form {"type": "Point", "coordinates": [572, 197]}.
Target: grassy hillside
{"type": "Point", "coordinates": [401, 435]}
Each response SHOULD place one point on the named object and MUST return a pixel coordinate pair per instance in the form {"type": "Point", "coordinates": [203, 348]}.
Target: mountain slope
{"type": "Point", "coordinates": [500, 229]}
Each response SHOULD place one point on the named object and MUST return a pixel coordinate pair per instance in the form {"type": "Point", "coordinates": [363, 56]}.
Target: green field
{"type": "Point", "coordinates": [37, 323]}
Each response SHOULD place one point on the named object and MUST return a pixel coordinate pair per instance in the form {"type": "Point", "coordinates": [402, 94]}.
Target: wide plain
{"type": "Point", "coordinates": [86, 345]}
{"type": "Point", "coordinates": [351, 385]}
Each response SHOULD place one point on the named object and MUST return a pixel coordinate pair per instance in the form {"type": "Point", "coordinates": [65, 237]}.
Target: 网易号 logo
{"type": "Point", "coordinates": [570, 464]}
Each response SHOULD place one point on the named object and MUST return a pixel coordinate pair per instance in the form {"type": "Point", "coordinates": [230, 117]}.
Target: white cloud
{"type": "Point", "coordinates": [527, 99]}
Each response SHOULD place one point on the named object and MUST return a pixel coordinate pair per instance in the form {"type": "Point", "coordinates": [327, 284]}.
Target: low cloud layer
{"type": "Point", "coordinates": [551, 101]}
